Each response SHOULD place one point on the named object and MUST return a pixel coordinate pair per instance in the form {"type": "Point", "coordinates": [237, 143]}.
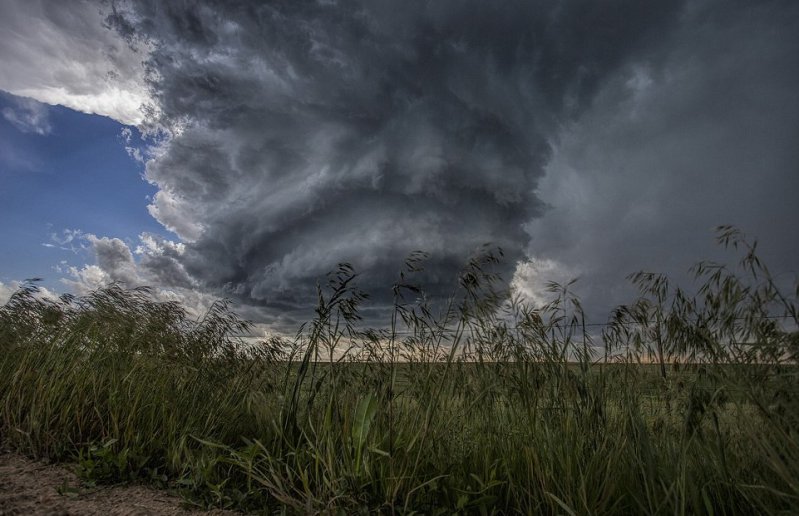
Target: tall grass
{"type": "Point", "coordinates": [682, 403]}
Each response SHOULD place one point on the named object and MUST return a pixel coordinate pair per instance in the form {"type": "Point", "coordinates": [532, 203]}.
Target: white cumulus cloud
{"type": "Point", "coordinates": [63, 53]}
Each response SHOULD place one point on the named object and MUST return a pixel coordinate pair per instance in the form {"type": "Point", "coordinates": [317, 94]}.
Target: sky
{"type": "Point", "coordinates": [243, 149]}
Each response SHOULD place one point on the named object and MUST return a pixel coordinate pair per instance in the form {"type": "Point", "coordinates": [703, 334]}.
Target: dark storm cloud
{"type": "Point", "coordinates": [311, 133]}
{"type": "Point", "coordinates": [704, 134]}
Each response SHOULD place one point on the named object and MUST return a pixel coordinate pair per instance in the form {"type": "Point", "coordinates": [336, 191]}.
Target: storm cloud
{"type": "Point", "coordinates": [702, 134]}
{"type": "Point", "coordinates": [586, 139]}
{"type": "Point", "coordinates": [304, 134]}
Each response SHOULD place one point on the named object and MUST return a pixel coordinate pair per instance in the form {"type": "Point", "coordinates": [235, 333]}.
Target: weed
{"type": "Point", "coordinates": [480, 405]}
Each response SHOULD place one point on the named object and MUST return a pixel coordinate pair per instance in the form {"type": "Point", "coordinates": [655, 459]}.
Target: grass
{"type": "Point", "coordinates": [683, 404]}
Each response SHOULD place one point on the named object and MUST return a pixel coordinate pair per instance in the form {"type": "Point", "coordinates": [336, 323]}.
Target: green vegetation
{"type": "Point", "coordinates": [681, 404]}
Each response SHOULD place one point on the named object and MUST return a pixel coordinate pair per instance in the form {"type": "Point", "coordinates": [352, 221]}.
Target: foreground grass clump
{"type": "Point", "coordinates": [683, 404]}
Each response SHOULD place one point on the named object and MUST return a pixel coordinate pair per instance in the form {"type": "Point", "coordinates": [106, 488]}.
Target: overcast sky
{"type": "Point", "coordinates": [242, 149]}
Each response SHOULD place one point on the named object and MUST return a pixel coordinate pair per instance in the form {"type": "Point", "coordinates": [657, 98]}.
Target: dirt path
{"type": "Point", "coordinates": [30, 487]}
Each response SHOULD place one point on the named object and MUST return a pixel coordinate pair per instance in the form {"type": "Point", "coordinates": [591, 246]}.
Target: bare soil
{"type": "Point", "coordinates": [38, 488]}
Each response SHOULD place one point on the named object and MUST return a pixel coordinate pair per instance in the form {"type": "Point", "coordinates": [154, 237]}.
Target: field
{"type": "Point", "coordinates": [679, 405]}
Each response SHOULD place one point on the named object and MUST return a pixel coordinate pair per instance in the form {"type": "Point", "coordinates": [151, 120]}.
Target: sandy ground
{"type": "Point", "coordinates": [30, 487]}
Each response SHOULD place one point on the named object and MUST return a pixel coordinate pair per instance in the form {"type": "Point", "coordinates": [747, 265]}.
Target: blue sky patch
{"type": "Point", "coordinates": [77, 176]}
